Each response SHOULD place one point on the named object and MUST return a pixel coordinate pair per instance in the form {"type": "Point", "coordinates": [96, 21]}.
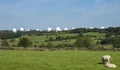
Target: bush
{"type": "Point", "coordinates": [25, 42]}
{"type": "Point", "coordinates": [116, 42]}
{"type": "Point", "coordinates": [12, 40]}
{"type": "Point", "coordinates": [107, 40]}
{"type": "Point", "coordinates": [83, 42]}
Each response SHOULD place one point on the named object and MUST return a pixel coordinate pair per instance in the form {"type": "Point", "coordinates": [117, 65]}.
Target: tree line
{"type": "Point", "coordinates": [8, 34]}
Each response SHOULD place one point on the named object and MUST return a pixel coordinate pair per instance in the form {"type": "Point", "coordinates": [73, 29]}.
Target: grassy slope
{"type": "Point", "coordinates": [55, 60]}
{"type": "Point", "coordinates": [38, 40]}
{"type": "Point", "coordinates": [97, 34]}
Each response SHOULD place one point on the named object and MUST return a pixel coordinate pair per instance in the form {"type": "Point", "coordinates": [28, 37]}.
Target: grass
{"type": "Point", "coordinates": [41, 40]}
{"type": "Point", "coordinates": [97, 34]}
{"type": "Point", "coordinates": [55, 60]}
{"type": "Point", "coordinates": [38, 40]}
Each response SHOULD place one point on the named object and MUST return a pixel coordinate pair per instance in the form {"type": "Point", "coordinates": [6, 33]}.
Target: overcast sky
{"type": "Point", "coordinates": [32, 14]}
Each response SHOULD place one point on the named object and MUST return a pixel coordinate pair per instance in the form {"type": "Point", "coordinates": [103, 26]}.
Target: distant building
{"type": "Point", "coordinates": [14, 30]}
{"type": "Point", "coordinates": [37, 29]}
{"type": "Point", "coordinates": [91, 27]}
{"type": "Point", "coordinates": [102, 27]}
{"type": "Point", "coordinates": [58, 29]}
{"type": "Point", "coordinates": [40, 29]}
{"type": "Point", "coordinates": [65, 28]}
{"type": "Point", "coordinates": [22, 29]}
{"type": "Point", "coordinates": [49, 29]}
{"type": "Point", "coordinates": [27, 30]}
{"type": "Point", "coordinates": [73, 28]}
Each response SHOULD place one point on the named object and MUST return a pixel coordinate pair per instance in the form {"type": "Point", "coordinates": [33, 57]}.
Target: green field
{"type": "Point", "coordinates": [38, 40]}
{"type": "Point", "coordinates": [97, 34]}
{"type": "Point", "coordinates": [55, 60]}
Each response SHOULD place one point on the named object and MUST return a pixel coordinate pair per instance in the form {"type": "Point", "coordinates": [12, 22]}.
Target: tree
{"type": "Point", "coordinates": [25, 42]}
{"type": "Point", "coordinates": [83, 42]}
{"type": "Point", "coordinates": [79, 42]}
{"type": "Point", "coordinates": [116, 42]}
{"type": "Point", "coordinates": [107, 40]}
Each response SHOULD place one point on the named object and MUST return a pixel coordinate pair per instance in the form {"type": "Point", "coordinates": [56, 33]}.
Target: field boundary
{"type": "Point", "coordinates": [54, 49]}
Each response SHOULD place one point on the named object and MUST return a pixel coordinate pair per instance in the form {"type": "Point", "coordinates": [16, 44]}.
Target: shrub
{"type": "Point", "coordinates": [116, 42]}
{"type": "Point", "coordinates": [83, 42]}
{"type": "Point", "coordinates": [24, 42]}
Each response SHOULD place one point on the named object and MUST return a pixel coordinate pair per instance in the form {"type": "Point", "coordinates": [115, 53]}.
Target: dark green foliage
{"type": "Point", "coordinates": [109, 34]}
{"type": "Point", "coordinates": [6, 34]}
{"type": "Point", "coordinates": [9, 35]}
{"type": "Point", "coordinates": [116, 42]}
{"type": "Point", "coordinates": [60, 38]}
{"type": "Point", "coordinates": [25, 42]}
{"type": "Point", "coordinates": [78, 30]}
{"type": "Point", "coordinates": [12, 40]}
{"type": "Point", "coordinates": [112, 31]}
{"type": "Point", "coordinates": [107, 40]}
{"type": "Point", "coordinates": [83, 42]}
{"type": "Point", "coordinates": [85, 30]}
{"type": "Point", "coordinates": [51, 39]}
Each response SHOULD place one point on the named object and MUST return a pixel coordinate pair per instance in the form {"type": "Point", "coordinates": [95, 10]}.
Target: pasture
{"type": "Point", "coordinates": [41, 40]}
{"type": "Point", "coordinates": [56, 60]}
{"type": "Point", "coordinates": [38, 40]}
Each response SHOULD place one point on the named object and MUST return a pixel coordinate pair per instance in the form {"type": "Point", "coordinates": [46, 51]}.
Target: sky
{"type": "Point", "coordinates": [33, 14]}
